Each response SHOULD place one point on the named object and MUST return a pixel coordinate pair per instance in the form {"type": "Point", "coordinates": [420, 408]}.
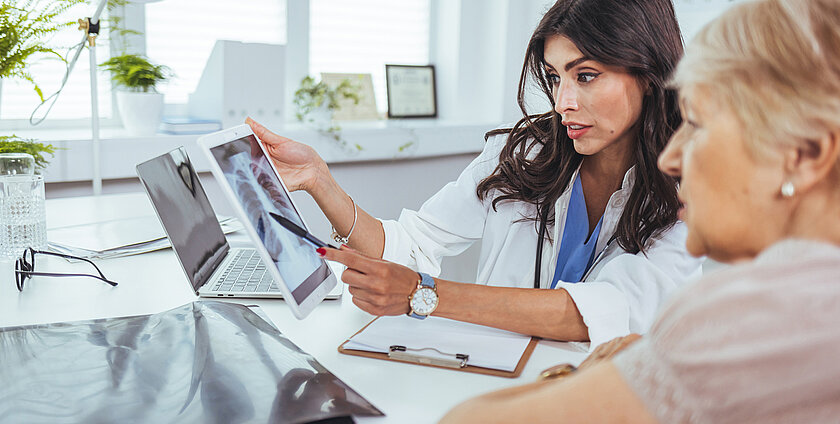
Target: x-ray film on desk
{"type": "Point", "coordinates": [201, 362]}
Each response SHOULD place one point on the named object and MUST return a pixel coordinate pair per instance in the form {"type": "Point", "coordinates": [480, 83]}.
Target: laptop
{"type": "Point", "coordinates": [213, 268]}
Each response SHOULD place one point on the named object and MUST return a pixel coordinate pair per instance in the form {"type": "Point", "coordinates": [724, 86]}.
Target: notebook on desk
{"type": "Point", "coordinates": [213, 268]}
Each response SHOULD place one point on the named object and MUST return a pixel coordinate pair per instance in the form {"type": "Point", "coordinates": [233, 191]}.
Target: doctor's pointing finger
{"type": "Point", "coordinates": [378, 287]}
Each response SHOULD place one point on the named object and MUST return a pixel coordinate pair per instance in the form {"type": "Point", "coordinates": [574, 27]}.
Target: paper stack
{"type": "Point", "coordinates": [113, 239]}
{"type": "Point", "coordinates": [175, 125]}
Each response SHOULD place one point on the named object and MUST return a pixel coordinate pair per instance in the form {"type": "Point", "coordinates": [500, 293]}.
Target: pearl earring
{"type": "Point", "coordinates": [788, 190]}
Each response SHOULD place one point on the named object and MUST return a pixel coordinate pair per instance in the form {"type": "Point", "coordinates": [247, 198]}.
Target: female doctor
{"type": "Point", "coordinates": [570, 200]}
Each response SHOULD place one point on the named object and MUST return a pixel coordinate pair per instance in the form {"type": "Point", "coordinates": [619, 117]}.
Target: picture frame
{"type": "Point", "coordinates": [411, 91]}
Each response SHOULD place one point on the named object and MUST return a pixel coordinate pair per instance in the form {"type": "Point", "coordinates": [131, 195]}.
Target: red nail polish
{"type": "Point", "coordinates": [321, 251]}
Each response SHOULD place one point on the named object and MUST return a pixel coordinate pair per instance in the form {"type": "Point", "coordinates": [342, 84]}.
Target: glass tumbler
{"type": "Point", "coordinates": [17, 164]}
{"type": "Point", "coordinates": [23, 218]}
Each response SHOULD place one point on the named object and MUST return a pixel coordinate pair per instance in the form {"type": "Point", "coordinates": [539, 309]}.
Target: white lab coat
{"type": "Point", "coordinates": [620, 294]}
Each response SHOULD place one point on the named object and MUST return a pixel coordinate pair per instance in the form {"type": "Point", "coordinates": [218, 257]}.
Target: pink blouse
{"type": "Point", "coordinates": [758, 342]}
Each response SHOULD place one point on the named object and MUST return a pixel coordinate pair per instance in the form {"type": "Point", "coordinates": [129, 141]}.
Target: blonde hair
{"type": "Point", "coordinates": [776, 63]}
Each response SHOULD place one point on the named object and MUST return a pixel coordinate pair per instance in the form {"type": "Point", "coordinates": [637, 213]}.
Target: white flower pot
{"type": "Point", "coordinates": [140, 112]}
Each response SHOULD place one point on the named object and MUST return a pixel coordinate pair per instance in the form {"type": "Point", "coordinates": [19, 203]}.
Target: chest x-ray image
{"type": "Point", "coordinates": [260, 192]}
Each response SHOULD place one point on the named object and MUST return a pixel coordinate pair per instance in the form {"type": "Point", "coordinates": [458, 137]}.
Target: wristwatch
{"type": "Point", "coordinates": [424, 299]}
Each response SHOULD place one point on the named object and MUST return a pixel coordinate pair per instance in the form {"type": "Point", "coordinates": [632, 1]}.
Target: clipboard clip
{"type": "Point", "coordinates": [402, 353]}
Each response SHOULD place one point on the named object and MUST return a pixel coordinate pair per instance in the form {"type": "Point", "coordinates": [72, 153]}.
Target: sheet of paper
{"type": "Point", "coordinates": [112, 239]}
{"type": "Point", "coordinates": [487, 347]}
{"type": "Point", "coordinates": [106, 235]}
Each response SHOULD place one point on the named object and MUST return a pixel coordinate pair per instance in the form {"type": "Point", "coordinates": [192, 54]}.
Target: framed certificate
{"type": "Point", "coordinates": [411, 91]}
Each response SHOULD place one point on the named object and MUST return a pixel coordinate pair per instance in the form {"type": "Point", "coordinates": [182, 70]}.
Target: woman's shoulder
{"type": "Point", "coordinates": [783, 264]}
{"type": "Point", "coordinates": [780, 290]}
{"type": "Point", "coordinates": [772, 320]}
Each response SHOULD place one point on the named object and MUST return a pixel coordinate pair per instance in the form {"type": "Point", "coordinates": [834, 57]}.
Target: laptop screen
{"type": "Point", "coordinates": [185, 213]}
{"type": "Point", "coordinates": [259, 191]}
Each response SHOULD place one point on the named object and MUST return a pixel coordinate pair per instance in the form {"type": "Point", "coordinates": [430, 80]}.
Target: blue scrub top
{"type": "Point", "coordinates": [576, 252]}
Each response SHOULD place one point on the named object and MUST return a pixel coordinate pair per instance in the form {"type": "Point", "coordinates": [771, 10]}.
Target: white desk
{"type": "Point", "coordinates": [154, 282]}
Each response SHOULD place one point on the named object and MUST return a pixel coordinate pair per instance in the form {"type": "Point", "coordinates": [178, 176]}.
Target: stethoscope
{"type": "Point", "coordinates": [540, 238]}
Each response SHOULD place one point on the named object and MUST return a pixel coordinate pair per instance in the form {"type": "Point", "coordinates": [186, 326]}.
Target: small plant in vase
{"type": "Point", "coordinates": [138, 101]}
{"type": "Point", "coordinates": [15, 144]}
{"type": "Point", "coordinates": [316, 103]}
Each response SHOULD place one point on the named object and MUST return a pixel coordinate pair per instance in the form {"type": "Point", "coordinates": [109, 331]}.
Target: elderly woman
{"type": "Point", "coordinates": [758, 157]}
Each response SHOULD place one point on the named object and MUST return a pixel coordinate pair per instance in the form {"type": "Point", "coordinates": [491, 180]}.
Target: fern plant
{"type": "Point", "coordinates": [26, 27]}
{"type": "Point", "coordinates": [135, 72]}
{"type": "Point", "coordinates": [15, 144]}
{"type": "Point", "coordinates": [311, 95]}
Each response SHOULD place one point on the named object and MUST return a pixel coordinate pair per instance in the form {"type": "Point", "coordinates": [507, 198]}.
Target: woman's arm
{"type": "Point", "coordinates": [302, 169]}
{"type": "Point", "coordinates": [382, 288]}
{"type": "Point", "coordinates": [549, 314]}
{"type": "Point", "coordinates": [623, 297]}
{"type": "Point", "coordinates": [598, 394]}
{"type": "Point", "coordinates": [368, 235]}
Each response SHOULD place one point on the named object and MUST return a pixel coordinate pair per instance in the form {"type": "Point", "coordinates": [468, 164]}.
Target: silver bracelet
{"type": "Point", "coordinates": [338, 238]}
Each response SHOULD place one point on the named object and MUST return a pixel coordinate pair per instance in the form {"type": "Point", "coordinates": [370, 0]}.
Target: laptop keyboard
{"type": "Point", "coordinates": [246, 273]}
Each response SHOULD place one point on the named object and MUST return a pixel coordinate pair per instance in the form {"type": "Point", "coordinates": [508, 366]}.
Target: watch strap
{"type": "Point", "coordinates": [426, 280]}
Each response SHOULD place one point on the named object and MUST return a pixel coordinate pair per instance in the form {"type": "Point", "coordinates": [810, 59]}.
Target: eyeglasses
{"type": "Point", "coordinates": [25, 268]}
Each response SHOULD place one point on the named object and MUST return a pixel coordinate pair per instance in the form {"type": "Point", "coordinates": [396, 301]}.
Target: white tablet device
{"type": "Point", "coordinates": [248, 178]}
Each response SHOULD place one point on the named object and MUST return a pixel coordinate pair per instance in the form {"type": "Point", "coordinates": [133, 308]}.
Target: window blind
{"type": "Point", "coordinates": [181, 33]}
{"type": "Point", "coordinates": [361, 36]}
{"type": "Point", "coordinates": [18, 98]}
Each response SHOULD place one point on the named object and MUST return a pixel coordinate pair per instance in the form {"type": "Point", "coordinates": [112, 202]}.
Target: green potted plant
{"type": "Point", "coordinates": [139, 103]}
{"type": "Point", "coordinates": [25, 29]}
{"type": "Point", "coordinates": [317, 101]}
{"type": "Point", "coordinates": [15, 144]}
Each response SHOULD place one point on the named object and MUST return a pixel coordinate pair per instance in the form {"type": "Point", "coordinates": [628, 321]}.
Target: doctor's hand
{"type": "Point", "coordinates": [378, 287]}
{"type": "Point", "coordinates": [299, 165]}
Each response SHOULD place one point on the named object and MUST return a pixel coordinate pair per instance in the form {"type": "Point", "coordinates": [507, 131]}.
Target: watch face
{"type": "Point", "coordinates": [424, 301]}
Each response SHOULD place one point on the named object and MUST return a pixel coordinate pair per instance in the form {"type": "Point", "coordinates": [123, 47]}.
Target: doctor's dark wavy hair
{"type": "Point", "coordinates": [640, 36]}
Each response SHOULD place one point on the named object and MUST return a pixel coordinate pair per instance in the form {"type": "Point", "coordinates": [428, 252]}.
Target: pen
{"type": "Point", "coordinates": [300, 232]}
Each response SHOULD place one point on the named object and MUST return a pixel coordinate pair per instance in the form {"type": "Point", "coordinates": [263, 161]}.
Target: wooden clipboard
{"type": "Point", "coordinates": [468, 368]}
